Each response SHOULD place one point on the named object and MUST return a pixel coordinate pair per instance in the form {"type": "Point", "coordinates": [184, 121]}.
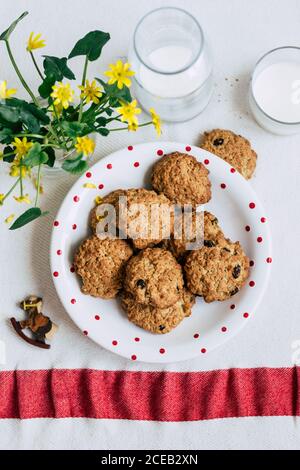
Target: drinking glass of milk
{"type": "Point", "coordinates": [172, 62]}
{"type": "Point", "coordinates": [275, 91]}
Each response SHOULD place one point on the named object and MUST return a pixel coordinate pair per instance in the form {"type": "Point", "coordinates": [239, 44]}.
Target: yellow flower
{"type": "Point", "coordinates": [15, 170]}
{"type": "Point", "coordinates": [119, 74]}
{"type": "Point", "coordinates": [62, 94]}
{"type": "Point", "coordinates": [2, 196]}
{"type": "Point", "coordinates": [156, 121]}
{"type": "Point", "coordinates": [91, 92]}
{"type": "Point", "coordinates": [9, 219]}
{"type": "Point", "coordinates": [90, 186]}
{"type": "Point", "coordinates": [6, 93]}
{"type": "Point", "coordinates": [23, 199]}
{"type": "Point", "coordinates": [133, 127]}
{"type": "Point", "coordinates": [85, 145]}
{"type": "Point", "coordinates": [35, 42]}
{"type": "Point", "coordinates": [129, 111]}
{"type": "Point", "coordinates": [21, 146]}
{"type": "Point", "coordinates": [58, 109]}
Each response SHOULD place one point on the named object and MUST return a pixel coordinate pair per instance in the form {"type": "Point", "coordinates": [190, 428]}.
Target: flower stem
{"type": "Point", "coordinates": [83, 83]}
{"type": "Point", "coordinates": [20, 75]}
{"type": "Point", "coordinates": [21, 179]}
{"type": "Point", "coordinates": [11, 190]}
{"type": "Point", "coordinates": [126, 128]}
{"type": "Point", "coordinates": [38, 184]}
{"type": "Point", "coordinates": [36, 65]}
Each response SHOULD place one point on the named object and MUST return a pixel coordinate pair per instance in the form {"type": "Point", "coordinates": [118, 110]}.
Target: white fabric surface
{"type": "Point", "coordinates": [240, 32]}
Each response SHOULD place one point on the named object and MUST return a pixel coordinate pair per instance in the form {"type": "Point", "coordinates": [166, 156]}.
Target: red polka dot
{"type": "Point", "coordinates": [160, 153]}
{"type": "Point", "coordinates": [72, 269]}
{"type": "Point", "coordinates": [73, 301]}
{"type": "Point", "coordinates": [206, 162]}
{"type": "Point", "coordinates": [232, 307]}
{"type": "Point", "coordinates": [251, 283]}
{"type": "Point", "coordinates": [109, 166]}
{"type": "Point", "coordinates": [130, 148]}
{"type": "Point", "coordinates": [55, 274]}
{"type": "Point", "coordinates": [196, 335]}
{"type": "Point", "coordinates": [76, 198]}
{"type": "Point", "coordinates": [252, 263]}
{"type": "Point", "coordinates": [133, 357]}
{"type": "Point", "coordinates": [56, 223]}
{"type": "Point", "coordinates": [203, 350]}
{"type": "Point", "coordinates": [224, 329]}
{"type": "Point", "coordinates": [88, 174]}
{"type": "Point", "coordinates": [252, 205]}
{"type": "Point", "coordinates": [269, 260]}
{"type": "Point", "coordinates": [85, 332]}
{"type": "Point", "coordinates": [263, 220]}
{"type": "Point", "coordinates": [162, 351]}
{"type": "Point", "coordinates": [247, 228]}
{"type": "Point", "coordinates": [223, 186]}
{"type": "Point", "coordinates": [59, 252]}
{"type": "Point", "coordinates": [114, 343]}
{"type": "Point", "coordinates": [74, 226]}
{"type": "Point", "coordinates": [97, 317]}
{"type": "Point", "coordinates": [137, 340]}
{"type": "Point", "coordinates": [188, 148]}
{"type": "Point", "coordinates": [101, 186]}
{"type": "Point", "coordinates": [259, 239]}
{"type": "Point", "coordinates": [246, 315]}
{"type": "Point", "coordinates": [136, 164]}
{"type": "Point", "coordinates": [232, 170]}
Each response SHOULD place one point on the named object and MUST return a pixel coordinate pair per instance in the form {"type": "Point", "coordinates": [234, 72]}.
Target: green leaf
{"type": "Point", "coordinates": [75, 165]}
{"type": "Point", "coordinates": [9, 114]}
{"type": "Point", "coordinates": [29, 216]}
{"type": "Point", "coordinates": [5, 35]}
{"type": "Point", "coordinates": [6, 135]}
{"type": "Point", "coordinates": [115, 94]}
{"type": "Point", "coordinates": [35, 157]}
{"type": "Point", "coordinates": [45, 89]}
{"type": "Point", "coordinates": [28, 114]}
{"type": "Point", "coordinates": [51, 156]}
{"type": "Point", "coordinates": [9, 158]}
{"type": "Point", "coordinates": [102, 131]}
{"type": "Point", "coordinates": [102, 121]}
{"type": "Point", "coordinates": [90, 45]}
{"type": "Point", "coordinates": [75, 129]}
{"type": "Point", "coordinates": [58, 68]}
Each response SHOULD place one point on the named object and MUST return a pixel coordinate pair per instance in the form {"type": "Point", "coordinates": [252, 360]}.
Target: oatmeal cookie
{"type": "Point", "coordinates": [217, 273]}
{"type": "Point", "coordinates": [193, 233]}
{"type": "Point", "coordinates": [234, 149]}
{"type": "Point", "coordinates": [100, 264]}
{"type": "Point", "coordinates": [111, 198]}
{"type": "Point", "coordinates": [157, 320]}
{"type": "Point", "coordinates": [149, 216]}
{"type": "Point", "coordinates": [182, 179]}
{"type": "Point", "coordinates": [154, 277]}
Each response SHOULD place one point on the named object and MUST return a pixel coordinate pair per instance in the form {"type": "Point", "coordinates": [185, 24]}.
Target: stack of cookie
{"type": "Point", "coordinates": [158, 278]}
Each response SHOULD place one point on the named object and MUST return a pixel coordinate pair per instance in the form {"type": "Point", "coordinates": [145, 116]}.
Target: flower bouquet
{"type": "Point", "coordinates": [33, 132]}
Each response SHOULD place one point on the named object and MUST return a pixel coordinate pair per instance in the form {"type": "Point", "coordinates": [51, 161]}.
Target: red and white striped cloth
{"type": "Point", "coordinates": [244, 395]}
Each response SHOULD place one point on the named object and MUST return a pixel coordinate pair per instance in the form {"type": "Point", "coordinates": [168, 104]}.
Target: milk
{"type": "Point", "coordinates": [277, 91]}
{"type": "Point", "coordinates": [165, 81]}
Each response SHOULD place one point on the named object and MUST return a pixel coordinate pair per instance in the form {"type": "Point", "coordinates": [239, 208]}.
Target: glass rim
{"type": "Point", "coordinates": [157, 70]}
{"type": "Point", "coordinates": [286, 123]}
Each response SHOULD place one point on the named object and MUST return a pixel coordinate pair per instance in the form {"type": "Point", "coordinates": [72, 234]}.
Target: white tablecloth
{"type": "Point", "coordinates": [240, 32]}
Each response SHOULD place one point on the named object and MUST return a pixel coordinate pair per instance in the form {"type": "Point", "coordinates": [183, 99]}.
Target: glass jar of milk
{"type": "Point", "coordinates": [275, 91]}
{"type": "Point", "coordinates": [172, 64]}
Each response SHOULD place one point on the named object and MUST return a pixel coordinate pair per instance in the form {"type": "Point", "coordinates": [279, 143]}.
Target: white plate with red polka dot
{"type": "Point", "coordinates": [242, 218]}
